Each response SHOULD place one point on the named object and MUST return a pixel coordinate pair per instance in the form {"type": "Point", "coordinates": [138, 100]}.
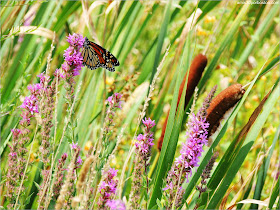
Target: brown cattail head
{"type": "Point", "coordinates": [196, 69]}
{"type": "Point", "coordinates": [224, 101]}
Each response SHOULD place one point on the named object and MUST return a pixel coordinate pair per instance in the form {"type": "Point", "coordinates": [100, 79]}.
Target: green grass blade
{"type": "Point", "coordinates": [206, 7]}
{"type": "Point", "coordinates": [161, 37]}
{"type": "Point", "coordinates": [124, 17]}
{"type": "Point", "coordinates": [275, 194]}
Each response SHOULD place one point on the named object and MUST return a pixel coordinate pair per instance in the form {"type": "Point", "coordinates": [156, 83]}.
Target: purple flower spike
{"type": "Point", "coordinates": [30, 103]}
{"type": "Point", "coordinates": [73, 63]}
{"type": "Point", "coordinates": [16, 132]}
{"type": "Point", "coordinates": [59, 175]}
{"type": "Point", "coordinates": [112, 173]}
{"type": "Point", "coordinates": [107, 187]}
{"type": "Point", "coordinates": [35, 89]}
{"type": "Point", "coordinates": [115, 101]}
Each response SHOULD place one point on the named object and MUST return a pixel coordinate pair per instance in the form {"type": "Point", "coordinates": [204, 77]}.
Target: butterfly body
{"type": "Point", "coordinates": [96, 56]}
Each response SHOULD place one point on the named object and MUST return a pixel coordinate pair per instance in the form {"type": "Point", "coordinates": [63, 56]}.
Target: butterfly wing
{"type": "Point", "coordinates": [96, 56]}
{"type": "Point", "coordinates": [90, 59]}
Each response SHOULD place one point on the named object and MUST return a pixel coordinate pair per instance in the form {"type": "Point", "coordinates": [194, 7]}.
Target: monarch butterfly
{"type": "Point", "coordinates": [96, 56]}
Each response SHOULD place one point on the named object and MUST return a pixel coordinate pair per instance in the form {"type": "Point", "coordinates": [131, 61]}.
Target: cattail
{"type": "Point", "coordinates": [224, 101]}
{"type": "Point", "coordinates": [160, 141]}
{"type": "Point", "coordinates": [196, 69]}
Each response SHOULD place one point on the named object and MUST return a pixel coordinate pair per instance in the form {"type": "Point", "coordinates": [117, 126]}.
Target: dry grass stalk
{"type": "Point", "coordinates": [64, 189]}
{"type": "Point", "coordinates": [81, 183]}
{"type": "Point", "coordinates": [91, 177]}
{"type": "Point", "coordinates": [88, 20]}
{"type": "Point", "coordinates": [83, 173]}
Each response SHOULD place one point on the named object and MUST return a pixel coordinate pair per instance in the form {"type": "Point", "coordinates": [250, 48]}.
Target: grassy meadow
{"type": "Point", "coordinates": [188, 120]}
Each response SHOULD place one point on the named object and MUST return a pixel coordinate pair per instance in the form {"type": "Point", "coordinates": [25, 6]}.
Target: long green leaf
{"type": "Point", "coordinates": [161, 37]}
{"type": "Point", "coordinates": [275, 194]}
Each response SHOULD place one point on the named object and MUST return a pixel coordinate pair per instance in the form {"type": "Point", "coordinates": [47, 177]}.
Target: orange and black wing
{"type": "Point", "coordinates": [96, 56]}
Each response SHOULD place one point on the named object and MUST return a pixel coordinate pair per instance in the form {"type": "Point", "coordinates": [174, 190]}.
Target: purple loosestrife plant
{"type": "Point", "coordinates": [46, 105]}
{"type": "Point", "coordinates": [107, 187]}
{"type": "Point", "coordinates": [69, 69]}
{"type": "Point", "coordinates": [143, 146]}
{"type": "Point", "coordinates": [114, 102]}
{"type": "Point", "coordinates": [190, 153]}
